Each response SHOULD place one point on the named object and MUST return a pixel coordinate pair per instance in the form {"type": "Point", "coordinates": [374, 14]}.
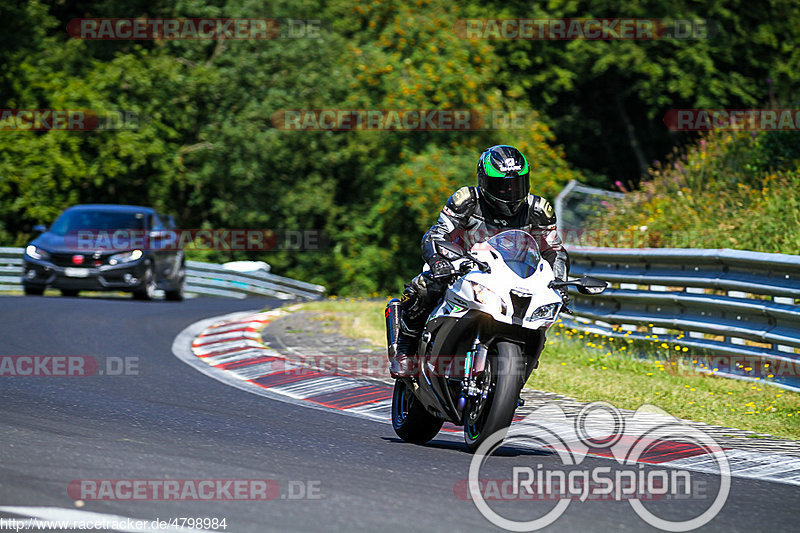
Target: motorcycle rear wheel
{"type": "Point", "coordinates": [504, 374]}
{"type": "Point", "coordinates": [410, 420]}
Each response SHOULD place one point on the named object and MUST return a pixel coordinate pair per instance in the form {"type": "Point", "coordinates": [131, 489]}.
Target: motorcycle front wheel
{"type": "Point", "coordinates": [410, 420]}
{"type": "Point", "coordinates": [500, 384]}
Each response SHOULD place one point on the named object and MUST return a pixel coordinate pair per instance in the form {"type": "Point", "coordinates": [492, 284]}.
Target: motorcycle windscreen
{"type": "Point", "coordinates": [518, 250]}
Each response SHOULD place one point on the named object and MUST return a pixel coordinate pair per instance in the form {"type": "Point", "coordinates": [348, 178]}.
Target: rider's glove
{"type": "Point", "coordinates": [441, 267]}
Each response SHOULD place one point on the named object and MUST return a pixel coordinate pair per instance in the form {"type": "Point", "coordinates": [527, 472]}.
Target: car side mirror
{"type": "Point", "coordinates": [41, 228]}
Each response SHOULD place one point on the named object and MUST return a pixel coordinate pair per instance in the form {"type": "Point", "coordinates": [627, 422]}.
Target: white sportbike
{"type": "Point", "coordinates": [481, 343]}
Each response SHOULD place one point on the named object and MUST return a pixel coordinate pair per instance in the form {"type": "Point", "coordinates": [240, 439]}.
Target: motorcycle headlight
{"type": "Point", "coordinates": [488, 297]}
{"type": "Point", "coordinates": [547, 312]}
{"type": "Point", "coordinates": [125, 257]}
{"type": "Point", "coordinates": [36, 253]}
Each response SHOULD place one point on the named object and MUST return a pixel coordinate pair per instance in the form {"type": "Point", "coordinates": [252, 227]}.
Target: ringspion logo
{"type": "Point", "coordinates": [627, 441]}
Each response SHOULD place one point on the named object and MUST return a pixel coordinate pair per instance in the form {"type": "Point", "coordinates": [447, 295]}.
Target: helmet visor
{"type": "Point", "coordinates": [508, 189]}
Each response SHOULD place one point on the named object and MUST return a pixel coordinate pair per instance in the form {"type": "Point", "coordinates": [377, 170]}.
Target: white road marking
{"type": "Point", "coordinates": [773, 467]}
{"type": "Point", "coordinates": [313, 387]}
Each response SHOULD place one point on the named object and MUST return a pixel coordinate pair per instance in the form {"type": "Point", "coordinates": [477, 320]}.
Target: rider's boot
{"type": "Point", "coordinates": [402, 341]}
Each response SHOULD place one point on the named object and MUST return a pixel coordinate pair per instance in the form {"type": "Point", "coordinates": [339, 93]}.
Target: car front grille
{"type": "Point", "coordinates": [89, 260]}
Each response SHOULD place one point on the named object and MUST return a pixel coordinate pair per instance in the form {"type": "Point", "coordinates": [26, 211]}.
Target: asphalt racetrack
{"type": "Point", "coordinates": [164, 420]}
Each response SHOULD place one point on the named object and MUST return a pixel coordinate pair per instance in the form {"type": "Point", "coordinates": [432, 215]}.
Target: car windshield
{"type": "Point", "coordinates": [73, 221]}
{"type": "Point", "coordinates": [518, 250]}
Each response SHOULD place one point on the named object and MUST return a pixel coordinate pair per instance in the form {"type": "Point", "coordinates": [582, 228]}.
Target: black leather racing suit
{"type": "Point", "coordinates": [465, 220]}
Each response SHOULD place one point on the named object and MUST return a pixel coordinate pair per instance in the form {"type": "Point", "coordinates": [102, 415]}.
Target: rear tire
{"type": "Point", "coordinates": [34, 291]}
{"type": "Point", "coordinates": [410, 420]}
{"type": "Point", "coordinates": [507, 372]}
{"type": "Point", "coordinates": [69, 292]}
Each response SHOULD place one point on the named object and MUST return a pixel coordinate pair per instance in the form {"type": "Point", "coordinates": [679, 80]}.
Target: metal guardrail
{"type": "Point", "coordinates": [207, 279]}
{"type": "Point", "coordinates": [576, 202]}
{"type": "Point", "coordinates": [729, 302]}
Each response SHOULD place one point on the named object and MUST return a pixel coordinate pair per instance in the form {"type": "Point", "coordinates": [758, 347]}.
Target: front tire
{"type": "Point", "coordinates": [148, 286]}
{"type": "Point", "coordinates": [69, 292]}
{"type": "Point", "coordinates": [410, 420]}
{"type": "Point", "coordinates": [33, 291]}
{"type": "Point", "coordinates": [177, 294]}
{"type": "Point", "coordinates": [504, 375]}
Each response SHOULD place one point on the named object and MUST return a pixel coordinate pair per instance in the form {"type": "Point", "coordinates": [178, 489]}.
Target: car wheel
{"type": "Point", "coordinates": [148, 285]}
{"type": "Point", "coordinates": [177, 294]}
{"type": "Point", "coordinates": [34, 291]}
{"type": "Point", "coordinates": [69, 292]}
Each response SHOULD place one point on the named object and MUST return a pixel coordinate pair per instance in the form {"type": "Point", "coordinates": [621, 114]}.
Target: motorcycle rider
{"type": "Point", "coordinates": [500, 202]}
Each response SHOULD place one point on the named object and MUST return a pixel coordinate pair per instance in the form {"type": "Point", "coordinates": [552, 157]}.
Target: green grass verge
{"type": "Point", "coordinates": [596, 368]}
{"type": "Point", "coordinates": [356, 318]}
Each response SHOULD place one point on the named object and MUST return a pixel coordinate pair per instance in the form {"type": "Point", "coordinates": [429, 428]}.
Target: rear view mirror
{"type": "Point", "coordinates": [41, 228]}
{"type": "Point", "coordinates": [585, 285]}
{"type": "Point", "coordinates": [590, 285]}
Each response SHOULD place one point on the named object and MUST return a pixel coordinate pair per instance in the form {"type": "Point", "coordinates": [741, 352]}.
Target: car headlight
{"type": "Point", "coordinates": [36, 253]}
{"type": "Point", "coordinates": [125, 257]}
{"type": "Point", "coordinates": [488, 297]}
{"type": "Point", "coordinates": [547, 312]}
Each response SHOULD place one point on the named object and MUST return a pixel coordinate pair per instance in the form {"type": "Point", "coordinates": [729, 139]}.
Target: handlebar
{"type": "Point", "coordinates": [466, 267]}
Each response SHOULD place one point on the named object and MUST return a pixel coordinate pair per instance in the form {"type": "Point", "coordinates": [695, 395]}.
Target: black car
{"type": "Point", "coordinates": [106, 247]}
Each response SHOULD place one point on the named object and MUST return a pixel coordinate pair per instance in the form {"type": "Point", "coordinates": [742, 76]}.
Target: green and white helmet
{"type": "Point", "coordinates": [503, 178]}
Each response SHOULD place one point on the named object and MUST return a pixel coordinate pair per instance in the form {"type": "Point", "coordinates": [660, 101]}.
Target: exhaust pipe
{"type": "Point", "coordinates": [393, 311]}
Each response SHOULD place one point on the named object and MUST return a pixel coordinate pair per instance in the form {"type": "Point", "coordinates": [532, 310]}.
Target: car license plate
{"type": "Point", "coordinates": [76, 272]}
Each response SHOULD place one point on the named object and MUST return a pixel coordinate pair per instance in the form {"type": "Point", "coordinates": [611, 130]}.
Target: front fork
{"type": "Point", "coordinates": [474, 365]}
